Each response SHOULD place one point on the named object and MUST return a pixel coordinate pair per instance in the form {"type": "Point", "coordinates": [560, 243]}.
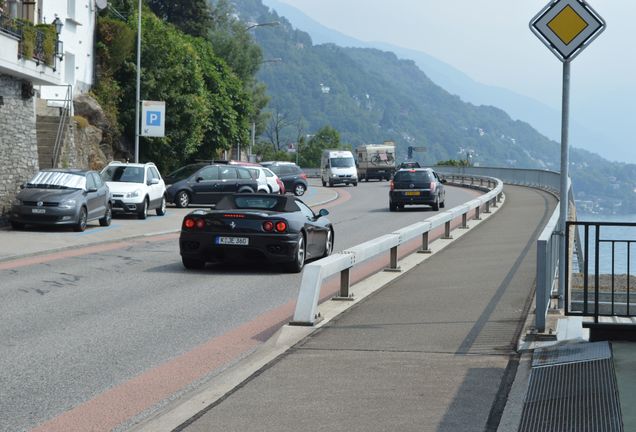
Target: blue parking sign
{"type": "Point", "coordinates": [153, 118]}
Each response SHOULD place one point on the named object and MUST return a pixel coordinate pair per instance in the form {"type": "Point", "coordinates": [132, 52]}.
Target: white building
{"type": "Point", "coordinates": [52, 62]}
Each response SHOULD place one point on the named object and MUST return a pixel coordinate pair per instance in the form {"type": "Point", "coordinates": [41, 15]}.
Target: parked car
{"type": "Point", "coordinates": [135, 188]}
{"type": "Point", "coordinates": [416, 186]}
{"type": "Point", "coordinates": [205, 183]}
{"type": "Point", "coordinates": [62, 197]}
{"type": "Point", "coordinates": [275, 183]}
{"type": "Point", "coordinates": [294, 179]}
{"type": "Point", "coordinates": [278, 228]}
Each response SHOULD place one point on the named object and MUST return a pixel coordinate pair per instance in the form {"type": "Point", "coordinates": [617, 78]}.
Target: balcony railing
{"type": "Point", "coordinates": [37, 43]}
{"type": "Point", "coordinates": [9, 26]}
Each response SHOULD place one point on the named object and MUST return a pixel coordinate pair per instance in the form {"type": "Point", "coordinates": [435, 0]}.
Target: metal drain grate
{"type": "Point", "coordinates": [568, 393]}
{"type": "Point", "coordinates": [571, 353]}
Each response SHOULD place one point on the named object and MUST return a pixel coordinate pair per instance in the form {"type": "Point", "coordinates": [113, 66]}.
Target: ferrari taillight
{"type": "Point", "coordinates": [281, 226]}
{"type": "Point", "coordinates": [268, 226]}
{"type": "Point", "coordinates": [192, 223]}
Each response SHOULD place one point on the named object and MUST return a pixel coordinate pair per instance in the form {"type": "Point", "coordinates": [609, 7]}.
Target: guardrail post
{"type": "Point", "coordinates": [425, 249]}
{"type": "Point", "coordinates": [344, 287]}
{"type": "Point", "coordinates": [494, 202]}
{"type": "Point", "coordinates": [393, 263]}
{"type": "Point", "coordinates": [464, 221]}
{"type": "Point", "coordinates": [447, 231]}
{"type": "Point", "coordinates": [478, 213]}
{"type": "Point", "coordinates": [499, 197]}
{"type": "Point", "coordinates": [487, 207]}
{"type": "Point", "coordinates": [481, 182]}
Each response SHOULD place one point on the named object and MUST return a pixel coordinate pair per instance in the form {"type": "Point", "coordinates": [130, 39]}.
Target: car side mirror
{"type": "Point", "coordinates": [199, 179]}
{"type": "Point", "coordinates": [443, 180]}
{"type": "Point", "coordinates": [323, 212]}
{"type": "Point", "coordinates": [93, 189]}
{"type": "Point", "coordinates": [153, 181]}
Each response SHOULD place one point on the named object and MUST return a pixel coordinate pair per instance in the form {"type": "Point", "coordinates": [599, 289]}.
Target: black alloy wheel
{"type": "Point", "coordinates": [81, 220]}
{"type": "Point", "coordinates": [108, 216]}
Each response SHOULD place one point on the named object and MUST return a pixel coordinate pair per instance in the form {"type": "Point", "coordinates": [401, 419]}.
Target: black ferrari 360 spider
{"type": "Point", "coordinates": [277, 228]}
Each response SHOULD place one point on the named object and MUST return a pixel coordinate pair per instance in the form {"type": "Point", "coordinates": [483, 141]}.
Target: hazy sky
{"type": "Point", "coordinates": [490, 41]}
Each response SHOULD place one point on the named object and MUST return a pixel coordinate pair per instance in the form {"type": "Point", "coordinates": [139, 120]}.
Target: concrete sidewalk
{"type": "Point", "coordinates": [38, 240]}
{"type": "Point", "coordinates": [434, 350]}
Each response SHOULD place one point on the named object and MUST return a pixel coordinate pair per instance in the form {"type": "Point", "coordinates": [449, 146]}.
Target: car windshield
{"type": "Point", "coordinates": [57, 180]}
{"type": "Point", "coordinates": [261, 203]}
{"type": "Point", "coordinates": [342, 162]}
{"type": "Point", "coordinates": [123, 173]}
{"type": "Point", "coordinates": [405, 176]}
{"type": "Point", "coordinates": [184, 172]}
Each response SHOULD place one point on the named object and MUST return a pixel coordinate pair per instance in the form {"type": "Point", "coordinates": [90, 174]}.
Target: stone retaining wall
{"type": "Point", "coordinates": [18, 142]}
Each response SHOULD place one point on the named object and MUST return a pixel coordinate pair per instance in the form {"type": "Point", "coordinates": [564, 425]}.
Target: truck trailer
{"type": "Point", "coordinates": [376, 161]}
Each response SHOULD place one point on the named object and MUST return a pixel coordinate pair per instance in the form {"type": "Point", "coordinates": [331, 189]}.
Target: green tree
{"type": "Point", "coordinates": [206, 106]}
{"type": "Point", "coordinates": [326, 138]}
{"type": "Point", "coordinates": [192, 17]}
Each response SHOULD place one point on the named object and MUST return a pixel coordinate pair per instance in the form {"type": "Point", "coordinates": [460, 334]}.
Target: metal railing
{"type": "Point", "coordinates": [65, 116]}
{"type": "Point", "coordinates": [607, 261]}
{"type": "Point", "coordinates": [9, 26]}
{"type": "Point", "coordinates": [341, 263]}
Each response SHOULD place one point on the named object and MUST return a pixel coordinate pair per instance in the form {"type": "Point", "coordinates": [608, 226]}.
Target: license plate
{"type": "Point", "coordinates": [38, 211]}
{"type": "Point", "coordinates": [412, 193]}
{"type": "Point", "coordinates": [233, 241]}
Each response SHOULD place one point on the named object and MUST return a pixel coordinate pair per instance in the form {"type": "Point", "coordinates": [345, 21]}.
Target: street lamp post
{"type": "Point", "coordinates": [138, 98]}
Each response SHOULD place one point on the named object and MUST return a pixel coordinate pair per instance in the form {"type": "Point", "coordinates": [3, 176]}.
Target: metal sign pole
{"type": "Point", "coordinates": [564, 197]}
{"type": "Point", "coordinates": [138, 100]}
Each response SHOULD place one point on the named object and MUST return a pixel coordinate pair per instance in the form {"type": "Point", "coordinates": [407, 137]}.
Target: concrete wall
{"type": "Point", "coordinates": [18, 144]}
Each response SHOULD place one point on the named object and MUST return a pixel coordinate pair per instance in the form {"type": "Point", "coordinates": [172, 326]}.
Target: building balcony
{"type": "Point", "coordinates": [29, 52]}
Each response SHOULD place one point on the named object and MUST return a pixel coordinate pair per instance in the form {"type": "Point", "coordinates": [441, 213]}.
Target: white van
{"type": "Point", "coordinates": [338, 166]}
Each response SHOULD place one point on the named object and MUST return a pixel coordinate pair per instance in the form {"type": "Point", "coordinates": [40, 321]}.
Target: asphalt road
{"type": "Point", "coordinates": [76, 330]}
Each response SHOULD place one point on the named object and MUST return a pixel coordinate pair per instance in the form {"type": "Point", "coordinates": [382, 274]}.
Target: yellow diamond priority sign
{"type": "Point", "coordinates": [566, 27]}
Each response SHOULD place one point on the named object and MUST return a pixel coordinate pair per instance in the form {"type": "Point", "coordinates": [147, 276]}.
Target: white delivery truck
{"type": "Point", "coordinates": [376, 161]}
{"type": "Point", "coordinates": [338, 167]}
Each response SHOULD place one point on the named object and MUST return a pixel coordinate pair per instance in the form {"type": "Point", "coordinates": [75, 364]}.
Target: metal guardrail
{"type": "Point", "coordinates": [341, 263]}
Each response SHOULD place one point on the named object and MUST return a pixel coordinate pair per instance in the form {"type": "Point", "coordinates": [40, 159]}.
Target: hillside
{"type": "Point", "coordinates": [371, 96]}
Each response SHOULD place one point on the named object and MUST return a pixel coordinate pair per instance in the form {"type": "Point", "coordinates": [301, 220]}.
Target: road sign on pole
{"type": "Point", "coordinates": [566, 27]}
{"type": "Point", "coordinates": [153, 118]}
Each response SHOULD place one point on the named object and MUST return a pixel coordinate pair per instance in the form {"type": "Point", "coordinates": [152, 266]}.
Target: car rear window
{"type": "Point", "coordinates": [260, 203]}
{"type": "Point", "coordinates": [420, 176]}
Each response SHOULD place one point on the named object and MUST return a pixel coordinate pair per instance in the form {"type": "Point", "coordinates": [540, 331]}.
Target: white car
{"type": "Point", "coordinates": [267, 180]}
{"type": "Point", "coordinates": [135, 188]}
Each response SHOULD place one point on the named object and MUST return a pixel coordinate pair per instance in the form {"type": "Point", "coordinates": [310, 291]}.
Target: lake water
{"type": "Point", "coordinates": [621, 238]}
